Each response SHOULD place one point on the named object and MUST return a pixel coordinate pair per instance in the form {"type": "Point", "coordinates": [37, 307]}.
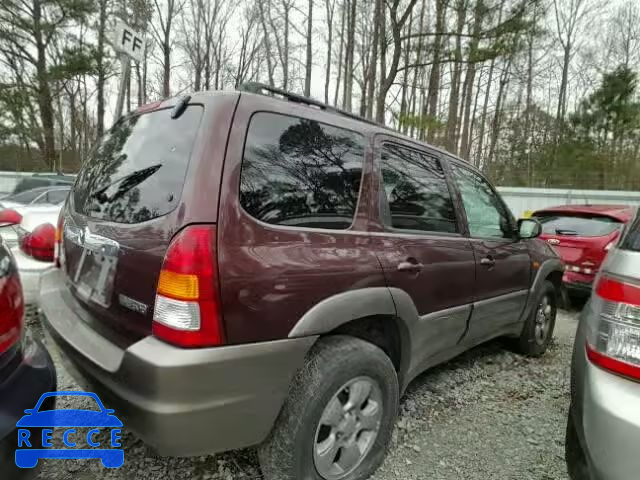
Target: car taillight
{"type": "Point", "coordinates": [187, 308]}
{"type": "Point", "coordinates": [58, 253]}
{"type": "Point", "coordinates": [9, 217]}
{"type": "Point", "coordinates": [11, 310]}
{"type": "Point", "coordinates": [39, 243]}
{"type": "Point", "coordinates": [614, 342]}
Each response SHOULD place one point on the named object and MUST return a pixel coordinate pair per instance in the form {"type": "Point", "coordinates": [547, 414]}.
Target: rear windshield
{"type": "Point", "coordinates": [25, 197]}
{"type": "Point", "coordinates": [631, 241]}
{"type": "Point", "coordinates": [136, 172]}
{"type": "Point", "coordinates": [577, 225]}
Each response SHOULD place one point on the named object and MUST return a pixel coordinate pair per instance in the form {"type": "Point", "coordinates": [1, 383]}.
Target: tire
{"type": "Point", "coordinates": [298, 438]}
{"type": "Point", "coordinates": [574, 455]}
{"type": "Point", "coordinates": [535, 338]}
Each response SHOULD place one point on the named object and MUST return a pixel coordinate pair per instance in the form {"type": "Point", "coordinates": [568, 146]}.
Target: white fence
{"type": "Point", "coordinates": [525, 200]}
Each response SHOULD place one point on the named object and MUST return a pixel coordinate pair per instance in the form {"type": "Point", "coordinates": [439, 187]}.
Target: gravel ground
{"type": "Point", "coordinates": [489, 414]}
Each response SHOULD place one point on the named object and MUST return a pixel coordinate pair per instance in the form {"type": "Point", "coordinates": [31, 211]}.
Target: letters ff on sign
{"type": "Point", "coordinates": [126, 40]}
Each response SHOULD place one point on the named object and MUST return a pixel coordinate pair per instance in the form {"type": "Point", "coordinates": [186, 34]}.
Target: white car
{"type": "Point", "coordinates": [38, 201]}
{"type": "Point", "coordinates": [33, 248]}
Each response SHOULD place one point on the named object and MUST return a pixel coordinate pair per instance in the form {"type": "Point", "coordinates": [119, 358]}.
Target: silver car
{"type": "Point", "coordinates": [603, 429]}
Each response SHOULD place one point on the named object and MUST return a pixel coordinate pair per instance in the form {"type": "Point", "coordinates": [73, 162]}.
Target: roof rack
{"type": "Point", "coordinates": [261, 88]}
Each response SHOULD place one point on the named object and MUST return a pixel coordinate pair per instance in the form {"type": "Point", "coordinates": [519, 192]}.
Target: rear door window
{"type": "Point", "coordinates": [301, 173]}
{"type": "Point", "coordinates": [136, 172]}
{"type": "Point", "coordinates": [577, 225]}
{"type": "Point", "coordinates": [416, 190]}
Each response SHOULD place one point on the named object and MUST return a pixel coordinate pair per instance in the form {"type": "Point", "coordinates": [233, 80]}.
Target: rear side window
{"type": "Point", "coordinates": [136, 172]}
{"type": "Point", "coordinates": [301, 173]}
{"type": "Point", "coordinates": [577, 225]}
{"type": "Point", "coordinates": [416, 190]}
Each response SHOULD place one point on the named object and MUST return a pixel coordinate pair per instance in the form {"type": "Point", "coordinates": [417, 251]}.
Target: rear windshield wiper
{"type": "Point", "coordinates": [126, 183]}
{"type": "Point", "coordinates": [560, 231]}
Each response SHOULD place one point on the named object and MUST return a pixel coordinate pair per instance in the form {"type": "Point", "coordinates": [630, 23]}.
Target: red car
{"type": "Point", "coordinates": [582, 235]}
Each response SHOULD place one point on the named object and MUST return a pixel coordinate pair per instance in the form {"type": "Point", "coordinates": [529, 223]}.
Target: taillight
{"type": "Point", "coordinates": [9, 217]}
{"type": "Point", "coordinates": [187, 308]}
{"type": "Point", "coordinates": [11, 309]}
{"type": "Point", "coordinates": [58, 253]}
{"type": "Point", "coordinates": [39, 243]}
{"type": "Point", "coordinates": [614, 342]}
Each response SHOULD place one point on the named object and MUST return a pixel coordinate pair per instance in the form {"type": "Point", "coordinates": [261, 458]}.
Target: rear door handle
{"type": "Point", "coordinates": [410, 266]}
{"type": "Point", "coordinates": [487, 262]}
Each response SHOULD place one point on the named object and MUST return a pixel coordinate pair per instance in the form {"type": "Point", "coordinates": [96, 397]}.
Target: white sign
{"type": "Point", "coordinates": [126, 40]}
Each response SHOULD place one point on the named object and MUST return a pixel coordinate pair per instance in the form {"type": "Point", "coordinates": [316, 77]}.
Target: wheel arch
{"type": "Point", "coordinates": [379, 315]}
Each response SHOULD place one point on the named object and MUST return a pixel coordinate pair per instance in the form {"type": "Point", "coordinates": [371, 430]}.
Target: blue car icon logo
{"type": "Point", "coordinates": [36, 444]}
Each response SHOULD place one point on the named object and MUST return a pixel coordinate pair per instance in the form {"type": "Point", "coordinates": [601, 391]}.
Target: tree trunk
{"type": "Point", "coordinates": [343, 19]}
{"type": "Point", "coordinates": [101, 69]}
{"type": "Point", "coordinates": [330, 7]}
{"type": "Point", "coordinates": [454, 96]}
{"type": "Point", "coordinates": [307, 75]}
{"type": "Point", "coordinates": [405, 78]}
{"type": "Point", "coordinates": [470, 79]}
{"type": "Point", "coordinates": [375, 41]}
{"type": "Point", "coordinates": [44, 92]}
{"type": "Point", "coordinates": [497, 116]}
{"type": "Point", "coordinates": [350, 47]}
{"type": "Point", "coordinates": [434, 76]}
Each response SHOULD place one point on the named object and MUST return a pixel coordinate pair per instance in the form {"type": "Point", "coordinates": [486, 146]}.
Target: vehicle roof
{"type": "Point", "coordinates": [339, 119]}
{"type": "Point", "coordinates": [622, 213]}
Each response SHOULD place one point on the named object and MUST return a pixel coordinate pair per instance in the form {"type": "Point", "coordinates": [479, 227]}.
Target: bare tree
{"type": "Point", "coordinates": [162, 33]}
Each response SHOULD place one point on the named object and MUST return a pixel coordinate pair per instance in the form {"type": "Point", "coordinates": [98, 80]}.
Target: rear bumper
{"type": "Point", "coordinates": [180, 401]}
{"type": "Point", "coordinates": [30, 271]}
{"type": "Point", "coordinates": [32, 377]}
{"type": "Point", "coordinates": [608, 423]}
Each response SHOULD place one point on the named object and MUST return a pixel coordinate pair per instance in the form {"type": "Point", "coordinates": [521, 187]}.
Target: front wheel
{"type": "Point", "coordinates": [538, 328]}
{"type": "Point", "coordinates": [337, 422]}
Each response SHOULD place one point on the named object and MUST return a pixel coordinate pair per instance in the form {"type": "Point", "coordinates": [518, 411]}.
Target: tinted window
{"type": "Point", "coordinates": [577, 225]}
{"type": "Point", "coordinates": [631, 240]}
{"type": "Point", "coordinates": [416, 191]}
{"type": "Point", "coordinates": [300, 173]}
{"type": "Point", "coordinates": [56, 197]}
{"type": "Point", "coordinates": [136, 172]}
{"type": "Point", "coordinates": [486, 214]}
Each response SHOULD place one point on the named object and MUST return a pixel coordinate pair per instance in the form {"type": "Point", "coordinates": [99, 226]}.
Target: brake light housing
{"type": "Point", "coordinates": [614, 339]}
{"type": "Point", "coordinates": [39, 243]}
{"type": "Point", "coordinates": [187, 309]}
{"type": "Point", "coordinates": [9, 217]}
{"type": "Point", "coordinates": [11, 309]}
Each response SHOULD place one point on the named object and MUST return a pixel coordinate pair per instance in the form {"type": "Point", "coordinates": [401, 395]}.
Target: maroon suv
{"type": "Point", "coordinates": [243, 269]}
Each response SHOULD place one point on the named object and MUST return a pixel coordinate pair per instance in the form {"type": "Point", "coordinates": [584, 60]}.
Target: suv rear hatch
{"type": "Point", "coordinates": [581, 239]}
{"type": "Point", "coordinates": [121, 216]}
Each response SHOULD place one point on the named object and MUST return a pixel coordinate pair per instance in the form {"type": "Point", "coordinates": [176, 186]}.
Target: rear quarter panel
{"type": "Point", "coordinates": [272, 275]}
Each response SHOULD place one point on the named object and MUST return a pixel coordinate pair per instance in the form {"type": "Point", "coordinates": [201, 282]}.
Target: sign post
{"type": "Point", "coordinates": [130, 45]}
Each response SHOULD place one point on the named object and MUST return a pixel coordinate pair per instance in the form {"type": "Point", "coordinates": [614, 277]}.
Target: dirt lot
{"type": "Point", "coordinates": [490, 414]}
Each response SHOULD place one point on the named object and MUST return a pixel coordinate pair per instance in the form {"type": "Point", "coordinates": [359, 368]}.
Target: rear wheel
{"type": "Point", "coordinates": [538, 328]}
{"type": "Point", "coordinates": [337, 422]}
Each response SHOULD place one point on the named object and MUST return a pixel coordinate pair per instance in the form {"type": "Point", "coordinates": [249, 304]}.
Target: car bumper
{"type": "Point", "coordinates": [34, 375]}
{"type": "Point", "coordinates": [180, 401]}
{"type": "Point", "coordinates": [610, 424]}
{"type": "Point", "coordinates": [30, 271]}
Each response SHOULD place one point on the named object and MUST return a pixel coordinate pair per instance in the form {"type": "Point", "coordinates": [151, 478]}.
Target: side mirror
{"type": "Point", "coordinates": [529, 228]}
